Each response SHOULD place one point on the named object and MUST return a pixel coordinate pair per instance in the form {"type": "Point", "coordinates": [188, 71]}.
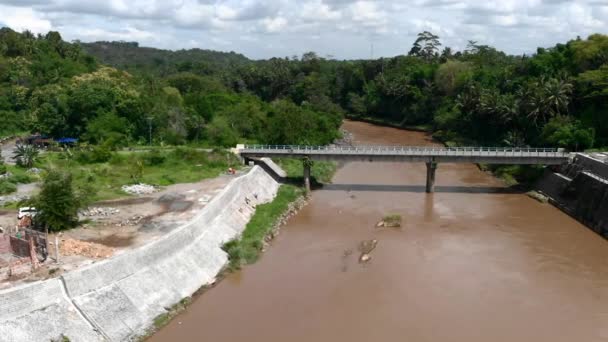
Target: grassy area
{"type": "Point", "coordinates": [321, 172]}
{"type": "Point", "coordinates": [248, 248]}
{"type": "Point", "coordinates": [18, 176]}
{"type": "Point", "coordinates": [106, 172]}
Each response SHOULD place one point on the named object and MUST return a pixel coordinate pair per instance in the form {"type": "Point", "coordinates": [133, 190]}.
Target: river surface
{"type": "Point", "coordinates": [472, 262]}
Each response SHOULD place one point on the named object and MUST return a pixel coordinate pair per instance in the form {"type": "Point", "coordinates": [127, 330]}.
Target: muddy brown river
{"type": "Point", "coordinates": [472, 262]}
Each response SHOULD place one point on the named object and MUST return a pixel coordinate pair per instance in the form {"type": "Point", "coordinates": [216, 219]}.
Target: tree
{"type": "Point", "coordinates": [452, 75]}
{"type": "Point", "coordinates": [25, 155]}
{"type": "Point", "coordinates": [426, 46]}
{"type": "Point", "coordinates": [565, 132]}
{"type": "Point", "coordinates": [545, 98]}
{"type": "Point", "coordinates": [58, 202]}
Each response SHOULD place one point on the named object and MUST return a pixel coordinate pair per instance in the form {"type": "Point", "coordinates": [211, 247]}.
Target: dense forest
{"type": "Point", "coordinates": [116, 92]}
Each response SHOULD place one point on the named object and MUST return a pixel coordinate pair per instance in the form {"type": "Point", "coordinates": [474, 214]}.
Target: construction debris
{"type": "Point", "coordinates": [84, 248]}
{"type": "Point", "coordinates": [99, 211]}
{"type": "Point", "coordinates": [139, 189]}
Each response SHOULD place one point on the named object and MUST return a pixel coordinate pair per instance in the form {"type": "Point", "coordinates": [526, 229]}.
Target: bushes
{"type": "Point", "coordinates": [97, 154]}
{"type": "Point", "coordinates": [7, 187]}
{"type": "Point", "coordinates": [58, 202]}
{"type": "Point", "coordinates": [154, 157]}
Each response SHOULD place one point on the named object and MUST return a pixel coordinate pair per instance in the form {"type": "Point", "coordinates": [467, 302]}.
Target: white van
{"type": "Point", "coordinates": [26, 211]}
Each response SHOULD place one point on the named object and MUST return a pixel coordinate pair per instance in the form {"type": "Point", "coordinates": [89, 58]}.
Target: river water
{"type": "Point", "coordinates": [472, 262]}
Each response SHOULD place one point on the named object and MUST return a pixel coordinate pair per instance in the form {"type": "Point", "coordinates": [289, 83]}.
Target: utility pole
{"type": "Point", "coordinates": [372, 48]}
{"type": "Point", "coordinates": [149, 118]}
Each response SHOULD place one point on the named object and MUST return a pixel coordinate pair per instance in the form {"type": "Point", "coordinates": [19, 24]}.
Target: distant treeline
{"type": "Point", "coordinates": [113, 92]}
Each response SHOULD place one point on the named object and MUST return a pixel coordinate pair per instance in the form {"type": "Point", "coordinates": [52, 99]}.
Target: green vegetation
{"type": "Point", "coordinates": [59, 201]}
{"type": "Point", "coordinates": [168, 98]}
{"type": "Point", "coordinates": [247, 249]}
{"type": "Point", "coordinates": [481, 96]}
{"type": "Point", "coordinates": [25, 155]}
{"type": "Point", "coordinates": [516, 174]}
{"type": "Point", "coordinates": [321, 172]}
{"type": "Point", "coordinates": [104, 172]}
{"type": "Point", "coordinates": [62, 338]}
{"type": "Point", "coordinates": [7, 187]}
{"type": "Point", "coordinates": [393, 220]}
{"type": "Point", "coordinates": [12, 176]}
{"type": "Point", "coordinates": [164, 319]}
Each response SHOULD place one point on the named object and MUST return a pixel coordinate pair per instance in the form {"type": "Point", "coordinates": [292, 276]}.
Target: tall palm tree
{"type": "Point", "coordinates": [557, 95]}
{"type": "Point", "coordinates": [545, 99]}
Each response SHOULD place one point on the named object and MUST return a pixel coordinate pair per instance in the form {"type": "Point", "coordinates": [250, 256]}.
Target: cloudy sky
{"type": "Point", "coordinates": [339, 28]}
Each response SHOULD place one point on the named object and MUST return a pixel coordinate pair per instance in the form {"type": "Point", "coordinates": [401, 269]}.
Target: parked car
{"type": "Point", "coordinates": [26, 211]}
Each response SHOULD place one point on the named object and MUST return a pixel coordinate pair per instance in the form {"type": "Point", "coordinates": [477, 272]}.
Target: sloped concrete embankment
{"type": "Point", "coordinates": [117, 299]}
{"type": "Point", "coordinates": [581, 190]}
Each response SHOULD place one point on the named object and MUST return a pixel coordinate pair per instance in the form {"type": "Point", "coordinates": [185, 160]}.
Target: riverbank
{"type": "Point", "coordinates": [385, 123]}
{"type": "Point", "coordinates": [119, 298]}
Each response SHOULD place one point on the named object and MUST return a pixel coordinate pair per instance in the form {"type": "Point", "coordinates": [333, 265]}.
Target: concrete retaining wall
{"type": "Point", "coordinates": [118, 298]}
{"type": "Point", "coordinates": [583, 162]}
{"type": "Point", "coordinates": [581, 190]}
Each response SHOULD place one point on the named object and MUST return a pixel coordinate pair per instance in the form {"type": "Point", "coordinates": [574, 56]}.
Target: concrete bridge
{"type": "Point", "coordinates": [430, 155]}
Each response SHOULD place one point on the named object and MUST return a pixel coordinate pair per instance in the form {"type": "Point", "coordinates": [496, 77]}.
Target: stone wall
{"type": "Point", "coordinates": [118, 299]}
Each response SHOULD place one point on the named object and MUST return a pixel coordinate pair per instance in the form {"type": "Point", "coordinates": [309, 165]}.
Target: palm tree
{"type": "Point", "coordinates": [25, 155]}
{"type": "Point", "coordinates": [545, 99]}
{"type": "Point", "coordinates": [557, 94]}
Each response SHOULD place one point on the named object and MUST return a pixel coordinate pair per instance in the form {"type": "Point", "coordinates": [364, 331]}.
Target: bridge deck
{"type": "Point", "coordinates": [489, 155]}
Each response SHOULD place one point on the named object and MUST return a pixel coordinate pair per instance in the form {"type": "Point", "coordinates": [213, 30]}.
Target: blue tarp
{"type": "Point", "coordinates": [67, 140]}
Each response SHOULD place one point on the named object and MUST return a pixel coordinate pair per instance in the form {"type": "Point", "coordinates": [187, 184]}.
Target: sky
{"type": "Point", "coordinates": [341, 29]}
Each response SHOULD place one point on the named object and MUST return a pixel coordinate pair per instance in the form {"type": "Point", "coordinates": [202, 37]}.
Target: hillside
{"type": "Point", "coordinates": [132, 57]}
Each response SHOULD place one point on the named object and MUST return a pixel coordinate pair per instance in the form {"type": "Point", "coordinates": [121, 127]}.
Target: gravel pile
{"type": "Point", "coordinates": [139, 189]}
{"type": "Point", "coordinates": [99, 211]}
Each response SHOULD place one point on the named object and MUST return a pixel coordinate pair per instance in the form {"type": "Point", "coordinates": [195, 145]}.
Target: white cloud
{"type": "Point", "coordinates": [127, 34]}
{"type": "Point", "coordinates": [343, 28]}
{"type": "Point", "coordinates": [22, 18]}
{"type": "Point", "coordinates": [368, 14]}
{"type": "Point", "coordinates": [274, 25]}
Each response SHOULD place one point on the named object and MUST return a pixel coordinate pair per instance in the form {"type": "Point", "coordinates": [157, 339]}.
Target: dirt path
{"type": "Point", "coordinates": [7, 148]}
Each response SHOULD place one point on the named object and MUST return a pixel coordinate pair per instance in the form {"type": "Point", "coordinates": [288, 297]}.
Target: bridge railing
{"type": "Point", "coordinates": [407, 150]}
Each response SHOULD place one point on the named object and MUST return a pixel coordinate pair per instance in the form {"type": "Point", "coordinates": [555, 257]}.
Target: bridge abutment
{"type": "Point", "coordinates": [431, 167]}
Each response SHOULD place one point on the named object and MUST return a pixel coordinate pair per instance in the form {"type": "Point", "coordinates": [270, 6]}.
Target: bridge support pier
{"type": "Point", "coordinates": [307, 177]}
{"type": "Point", "coordinates": [430, 176]}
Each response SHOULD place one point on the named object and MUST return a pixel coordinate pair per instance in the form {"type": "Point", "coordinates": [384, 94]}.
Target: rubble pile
{"type": "Point", "coordinates": [133, 221]}
{"type": "Point", "coordinates": [99, 211]}
{"type": "Point", "coordinates": [139, 189]}
{"type": "Point", "coordinates": [83, 248]}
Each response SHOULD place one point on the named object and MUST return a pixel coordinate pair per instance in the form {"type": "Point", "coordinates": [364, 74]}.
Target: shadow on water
{"type": "Point", "coordinates": [422, 188]}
